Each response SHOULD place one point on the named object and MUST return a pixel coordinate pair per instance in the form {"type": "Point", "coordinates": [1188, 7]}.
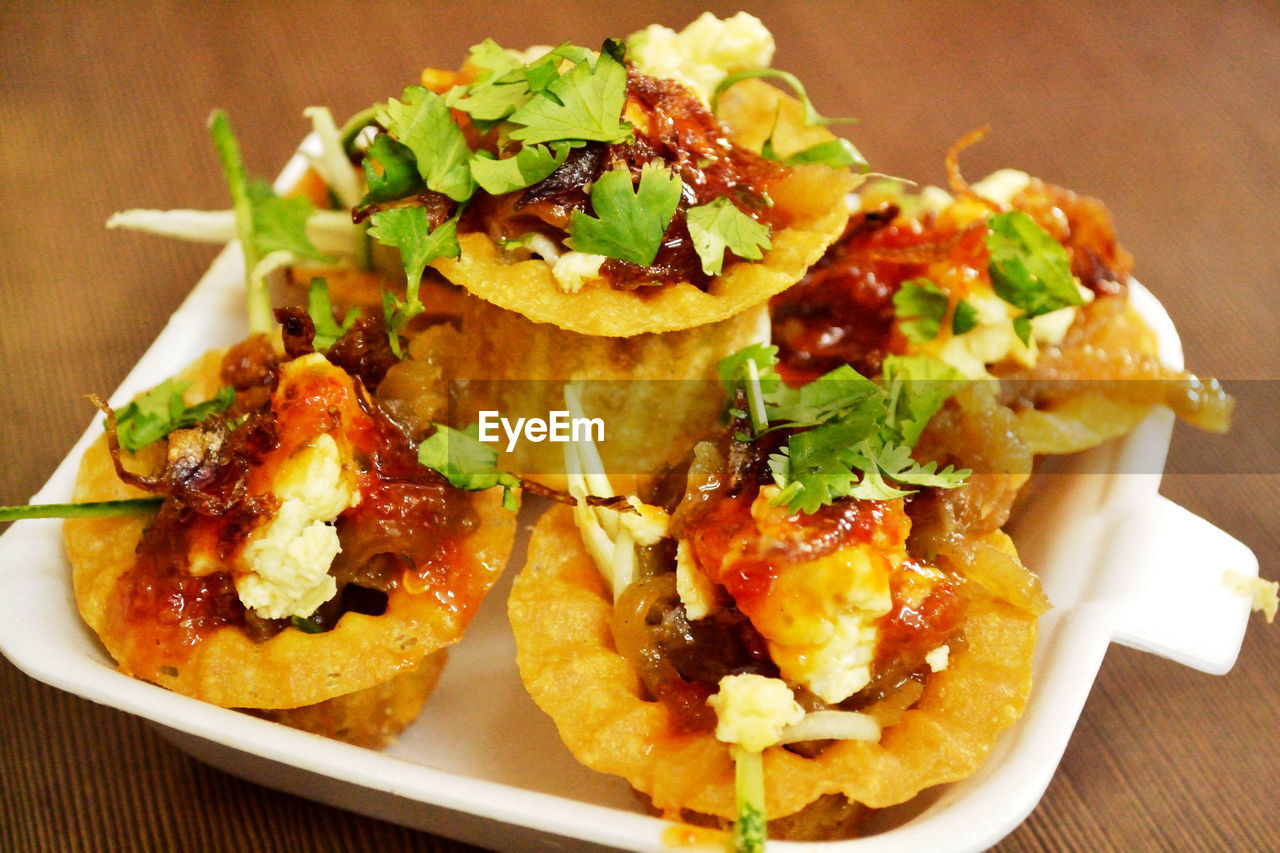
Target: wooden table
{"type": "Point", "coordinates": [1166, 111]}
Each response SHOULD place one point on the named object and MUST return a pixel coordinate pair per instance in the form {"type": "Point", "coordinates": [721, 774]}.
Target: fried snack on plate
{"type": "Point", "coordinates": [1010, 278]}
{"type": "Point", "coordinates": [759, 616]}
{"type": "Point", "coordinates": [646, 189]}
{"type": "Point", "coordinates": [301, 554]}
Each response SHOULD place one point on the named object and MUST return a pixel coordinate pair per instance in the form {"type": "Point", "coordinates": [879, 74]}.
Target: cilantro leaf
{"type": "Point", "coordinates": [467, 463]}
{"type": "Point", "coordinates": [965, 318]}
{"type": "Point", "coordinates": [409, 230]}
{"type": "Point", "coordinates": [423, 123]}
{"type": "Point", "coordinates": [162, 410]}
{"type": "Point", "coordinates": [584, 103]}
{"type": "Point", "coordinates": [501, 87]}
{"type": "Point", "coordinates": [917, 387]}
{"type": "Point", "coordinates": [720, 225]}
{"type": "Point", "coordinates": [280, 224]}
{"type": "Point", "coordinates": [390, 171]}
{"type": "Point", "coordinates": [838, 153]}
{"type": "Point", "coordinates": [1029, 269]}
{"type": "Point", "coordinates": [814, 468]}
{"type": "Point", "coordinates": [920, 306]}
{"type": "Point", "coordinates": [530, 164]}
{"type": "Point", "coordinates": [849, 437]}
{"type": "Point", "coordinates": [629, 221]}
{"type": "Point", "coordinates": [320, 309]}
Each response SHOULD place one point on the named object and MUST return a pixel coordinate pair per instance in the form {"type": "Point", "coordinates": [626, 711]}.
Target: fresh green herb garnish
{"type": "Point", "coordinates": [306, 625]}
{"type": "Point", "coordinates": [91, 509]}
{"type": "Point", "coordinates": [838, 153]}
{"type": "Point", "coordinates": [422, 122]}
{"type": "Point", "coordinates": [851, 436]}
{"type": "Point", "coordinates": [585, 104]}
{"type": "Point", "coordinates": [261, 318]}
{"type": "Point", "coordinates": [1029, 269]}
{"type": "Point", "coordinates": [467, 463]}
{"type": "Point", "coordinates": [749, 828]}
{"type": "Point", "coordinates": [280, 223]}
{"type": "Point", "coordinates": [161, 410]}
{"type": "Point", "coordinates": [409, 230]}
{"type": "Point", "coordinates": [920, 306]}
{"type": "Point", "coordinates": [272, 230]}
{"type": "Point", "coordinates": [390, 171]}
{"type": "Point", "coordinates": [320, 309]}
{"type": "Point", "coordinates": [964, 319]}
{"type": "Point", "coordinates": [630, 220]}
{"type": "Point", "coordinates": [529, 165]}
{"type": "Point", "coordinates": [917, 386]}
{"type": "Point", "coordinates": [720, 225]}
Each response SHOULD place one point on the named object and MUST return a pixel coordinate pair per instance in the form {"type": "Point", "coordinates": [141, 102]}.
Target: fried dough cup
{"type": "Point", "coordinates": [488, 358]}
{"type": "Point", "coordinates": [1088, 372]}
{"type": "Point", "coordinates": [812, 196]}
{"type": "Point", "coordinates": [292, 668]}
{"type": "Point", "coordinates": [561, 609]}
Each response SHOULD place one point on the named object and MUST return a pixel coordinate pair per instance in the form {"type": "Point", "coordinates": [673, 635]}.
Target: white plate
{"type": "Point", "coordinates": [484, 765]}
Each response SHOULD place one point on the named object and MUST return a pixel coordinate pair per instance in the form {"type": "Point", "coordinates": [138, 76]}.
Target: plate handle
{"type": "Point", "coordinates": [1165, 568]}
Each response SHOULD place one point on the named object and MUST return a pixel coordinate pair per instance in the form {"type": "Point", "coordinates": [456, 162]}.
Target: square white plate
{"type": "Point", "coordinates": [484, 765]}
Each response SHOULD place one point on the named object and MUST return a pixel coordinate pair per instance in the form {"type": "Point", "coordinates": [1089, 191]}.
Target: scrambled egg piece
{"type": "Point", "coordinates": [752, 710]}
{"type": "Point", "coordinates": [704, 52]}
{"type": "Point", "coordinates": [994, 338]}
{"type": "Point", "coordinates": [287, 559]}
{"type": "Point", "coordinates": [820, 617]}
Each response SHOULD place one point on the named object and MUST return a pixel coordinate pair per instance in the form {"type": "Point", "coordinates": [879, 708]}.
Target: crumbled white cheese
{"type": "Point", "coordinates": [1264, 595]}
{"type": "Point", "coordinates": [752, 710]}
{"type": "Point", "coordinates": [704, 52]}
{"type": "Point", "coordinates": [938, 658]}
{"type": "Point", "coordinates": [1002, 185]}
{"type": "Point", "coordinates": [286, 561]}
{"type": "Point", "coordinates": [574, 269]}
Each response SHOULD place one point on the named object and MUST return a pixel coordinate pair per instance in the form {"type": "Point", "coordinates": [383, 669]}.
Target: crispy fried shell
{"type": "Point", "coordinates": [560, 611]}
{"type": "Point", "coordinates": [812, 196]}
{"type": "Point", "coordinates": [291, 668]}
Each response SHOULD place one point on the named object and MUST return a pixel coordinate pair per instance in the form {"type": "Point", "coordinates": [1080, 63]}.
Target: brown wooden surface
{"type": "Point", "coordinates": [1166, 111]}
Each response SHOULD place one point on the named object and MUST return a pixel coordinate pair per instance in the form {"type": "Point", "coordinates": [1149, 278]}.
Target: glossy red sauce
{"type": "Point", "coordinates": [910, 631]}
{"type": "Point", "coordinates": [728, 546]}
{"type": "Point", "coordinates": [406, 510]}
{"type": "Point", "coordinates": [677, 130]}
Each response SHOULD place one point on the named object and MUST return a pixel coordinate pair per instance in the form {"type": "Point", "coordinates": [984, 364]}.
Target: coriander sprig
{"type": "Point", "coordinates": [848, 437]}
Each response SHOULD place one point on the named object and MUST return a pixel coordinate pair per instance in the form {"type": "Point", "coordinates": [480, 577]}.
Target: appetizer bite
{"type": "Point", "coordinates": [304, 558]}
{"type": "Point", "coordinates": [1008, 278]}
{"type": "Point", "coordinates": [621, 214]}
{"type": "Point", "coordinates": [771, 637]}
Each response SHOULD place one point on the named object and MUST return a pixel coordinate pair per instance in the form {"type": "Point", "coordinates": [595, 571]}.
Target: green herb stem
{"type": "Point", "coordinates": [261, 318]}
{"type": "Point", "coordinates": [91, 509]}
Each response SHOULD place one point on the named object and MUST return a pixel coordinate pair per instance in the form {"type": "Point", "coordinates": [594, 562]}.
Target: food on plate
{"type": "Point", "coordinates": [775, 609]}
{"type": "Point", "coordinates": [588, 192]}
{"type": "Point", "coordinates": [611, 215]}
{"type": "Point", "coordinates": [301, 552]}
{"type": "Point", "coordinates": [1009, 278]}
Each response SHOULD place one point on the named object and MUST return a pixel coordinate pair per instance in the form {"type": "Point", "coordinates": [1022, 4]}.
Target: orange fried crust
{"type": "Point", "coordinates": [560, 611]}
{"type": "Point", "coordinates": [813, 196]}
{"type": "Point", "coordinates": [228, 668]}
